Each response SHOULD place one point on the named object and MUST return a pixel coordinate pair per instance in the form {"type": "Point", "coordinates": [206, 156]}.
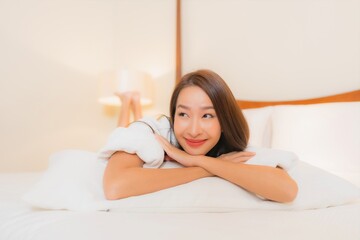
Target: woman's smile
{"type": "Point", "coordinates": [194, 143]}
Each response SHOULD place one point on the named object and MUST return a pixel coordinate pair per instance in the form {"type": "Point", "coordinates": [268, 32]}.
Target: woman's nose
{"type": "Point", "coordinates": [195, 128]}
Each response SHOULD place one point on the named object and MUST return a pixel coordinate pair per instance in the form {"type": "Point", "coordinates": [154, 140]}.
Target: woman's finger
{"type": "Point", "coordinates": [246, 153]}
{"type": "Point", "coordinates": [241, 159]}
{"type": "Point", "coordinates": [168, 158]}
{"type": "Point", "coordinates": [237, 158]}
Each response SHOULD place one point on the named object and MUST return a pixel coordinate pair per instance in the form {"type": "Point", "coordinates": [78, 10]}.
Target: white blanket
{"type": "Point", "coordinates": [18, 221]}
{"type": "Point", "coordinates": [139, 138]}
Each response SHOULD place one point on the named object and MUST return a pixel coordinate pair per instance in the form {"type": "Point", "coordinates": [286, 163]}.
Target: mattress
{"type": "Point", "coordinates": [20, 221]}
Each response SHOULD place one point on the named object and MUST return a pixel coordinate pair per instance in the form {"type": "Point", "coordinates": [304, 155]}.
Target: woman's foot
{"type": "Point", "coordinates": [125, 97]}
{"type": "Point", "coordinates": [125, 109]}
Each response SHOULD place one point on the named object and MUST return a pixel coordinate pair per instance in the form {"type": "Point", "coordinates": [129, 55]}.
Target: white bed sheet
{"type": "Point", "coordinates": [19, 221]}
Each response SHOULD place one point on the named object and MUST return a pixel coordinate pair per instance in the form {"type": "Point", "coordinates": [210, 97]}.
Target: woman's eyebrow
{"type": "Point", "coordinates": [207, 107]}
{"type": "Point", "coordinates": [187, 108]}
{"type": "Point", "coordinates": [183, 106]}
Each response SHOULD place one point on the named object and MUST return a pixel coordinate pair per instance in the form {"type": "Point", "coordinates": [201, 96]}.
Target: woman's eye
{"type": "Point", "coordinates": [182, 114]}
{"type": "Point", "coordinates": [208, 115]}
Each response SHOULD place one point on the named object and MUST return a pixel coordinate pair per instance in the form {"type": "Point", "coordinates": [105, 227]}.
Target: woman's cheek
{"type": "Point", "coordinates": [179, 126]}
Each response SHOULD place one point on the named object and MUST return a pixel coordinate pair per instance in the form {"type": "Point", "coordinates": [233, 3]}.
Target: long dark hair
{"type": "Point", "coordinates": [235, 130]}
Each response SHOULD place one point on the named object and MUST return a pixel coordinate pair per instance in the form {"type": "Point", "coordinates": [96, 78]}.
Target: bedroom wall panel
{"type": "Point", "coordinates": [52, 53]}
{"type": "Point", "coordinates": [144, 38]}
{"type": "Point", "coordinates": [275, 50]}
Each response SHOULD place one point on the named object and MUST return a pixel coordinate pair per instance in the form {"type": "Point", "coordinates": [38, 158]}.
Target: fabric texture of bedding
{"type": "Point", "coordinates": [19, 221]}
{"type": "Point", "coordinates": [259, 121]}
{"type": "Point", "coordinates": [74, 182]}
{"type": "Point", "coordinates": [324, 135]}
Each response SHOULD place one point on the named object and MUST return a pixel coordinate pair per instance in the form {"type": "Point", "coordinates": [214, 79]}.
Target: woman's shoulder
{"type": "Point", "coordinates": [156, 123]}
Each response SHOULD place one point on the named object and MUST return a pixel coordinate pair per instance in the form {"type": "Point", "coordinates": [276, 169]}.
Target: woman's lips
{"type": "Point", "coordinates": [195, 143]}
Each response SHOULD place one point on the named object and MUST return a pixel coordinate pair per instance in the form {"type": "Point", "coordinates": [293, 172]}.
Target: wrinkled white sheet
{"type": "Point", "coordinates": [19, 221]}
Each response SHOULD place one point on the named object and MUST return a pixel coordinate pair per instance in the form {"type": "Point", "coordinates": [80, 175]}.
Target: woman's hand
{"type": "Point", "coordinates": [175, 154]}
{"type": "Point", "coordinates": [237, 157]}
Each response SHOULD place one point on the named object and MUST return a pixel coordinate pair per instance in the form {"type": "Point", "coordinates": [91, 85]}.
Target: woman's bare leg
{"type": "Point", "coordinates": [126, 102]}
{"type": "Point", "coordinates": [136, 106]}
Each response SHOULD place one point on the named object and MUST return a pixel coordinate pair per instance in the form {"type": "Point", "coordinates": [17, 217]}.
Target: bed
{"type": "Point", "coordinates": [178, 213]}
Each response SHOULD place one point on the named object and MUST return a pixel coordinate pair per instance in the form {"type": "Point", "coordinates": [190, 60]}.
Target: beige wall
{"type": "Point", "coordinates": [276, 49]}
{"type": "Point", "coordinates": [51, 56]}
{"type": "Point", "coordinates": [52, 53]}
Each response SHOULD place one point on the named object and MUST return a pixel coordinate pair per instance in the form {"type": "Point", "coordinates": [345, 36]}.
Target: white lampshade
{"type": "Point", "coordinates": [125, 81]}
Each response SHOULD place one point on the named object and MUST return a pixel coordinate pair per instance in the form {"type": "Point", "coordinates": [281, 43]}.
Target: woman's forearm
{"type": "Point", "coordinates": [138, 181]}
{"type": "Point", "coordinates": [269, 182]}
{"type": "Point", "coordinates": [125, 177]}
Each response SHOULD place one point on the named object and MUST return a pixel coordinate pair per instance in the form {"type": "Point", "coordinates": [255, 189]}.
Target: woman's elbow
{"type": "Point", "coordinates": [115, 189]}
{"type": "Point", "coordinates": [110, 193]}
{"type": "Point", "coordinates": [289, 193]}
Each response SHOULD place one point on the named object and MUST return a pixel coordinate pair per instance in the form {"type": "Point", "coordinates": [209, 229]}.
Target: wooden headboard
{"type": "Point", "coordinates": [343, 97]}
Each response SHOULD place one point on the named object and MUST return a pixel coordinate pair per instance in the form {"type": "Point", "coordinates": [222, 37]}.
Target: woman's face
{"type": "Point", "coordinates": [196, 125]}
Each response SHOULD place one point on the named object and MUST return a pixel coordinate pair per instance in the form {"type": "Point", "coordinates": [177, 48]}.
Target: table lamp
{"type": "Point", "coordinates": [124, 80]}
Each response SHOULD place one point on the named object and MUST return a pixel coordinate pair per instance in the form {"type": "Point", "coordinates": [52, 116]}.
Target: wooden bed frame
{"type": "Point", "coordinates": [353, 96]}
{"type": "Point", "coordinates": [343, 97]}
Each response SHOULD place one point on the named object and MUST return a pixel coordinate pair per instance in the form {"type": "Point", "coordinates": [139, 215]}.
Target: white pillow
{"type": "Point", "coordinates": [317, 189]}
{"type": "Point", "coordinates": [259, 123]}
{"type": "Point", "coordinates": [74, 181]}
{"type": "Point", "coordinates": [324, 135]}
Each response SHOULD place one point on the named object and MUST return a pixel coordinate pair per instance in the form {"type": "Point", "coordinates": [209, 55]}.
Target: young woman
{"type": "Point", "coordinates": [212, 135]}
